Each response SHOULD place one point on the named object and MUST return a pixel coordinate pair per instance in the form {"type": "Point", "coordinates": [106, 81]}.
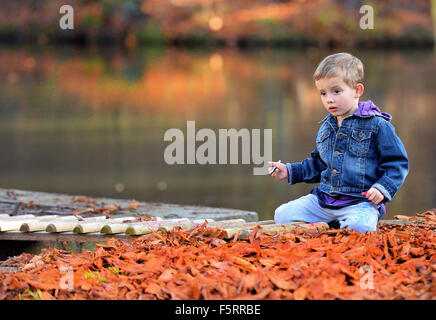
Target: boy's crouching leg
{"type": "Point", "coordinates": [301, 209]}
{"type": "Point", "coordinates": [281, 214]}
{"type": "Point", "coordinates": [363, 218]}
{"type": "Point", "coordinates": [360, 227]}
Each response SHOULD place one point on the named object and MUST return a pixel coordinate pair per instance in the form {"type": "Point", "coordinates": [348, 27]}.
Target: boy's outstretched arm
{"type": "Point", "coordinates": [309, 170]}
{"type": "Point", "coordinates": [393, 163]}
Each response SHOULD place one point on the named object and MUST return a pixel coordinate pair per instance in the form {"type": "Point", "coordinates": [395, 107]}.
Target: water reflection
{"type": "Point", "coordinates": [92, 122]}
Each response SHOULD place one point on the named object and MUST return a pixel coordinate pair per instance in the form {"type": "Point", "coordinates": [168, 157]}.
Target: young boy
{"type": "Point", "coordinates": [359, 160]}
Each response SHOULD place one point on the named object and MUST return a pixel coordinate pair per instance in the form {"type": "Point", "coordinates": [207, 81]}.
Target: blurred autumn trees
{"type": "Point", "coordinates": [242, 22]}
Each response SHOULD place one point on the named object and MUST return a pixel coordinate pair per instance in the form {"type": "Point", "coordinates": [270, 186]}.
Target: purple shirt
{"type": "Point", "coordinates": [326, 200]}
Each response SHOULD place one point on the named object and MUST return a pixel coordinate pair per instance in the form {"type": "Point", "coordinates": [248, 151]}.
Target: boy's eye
{"type": "Point", "coordinates": [337, 91]}
{"type": "Point", "coordinates": [323, 93]}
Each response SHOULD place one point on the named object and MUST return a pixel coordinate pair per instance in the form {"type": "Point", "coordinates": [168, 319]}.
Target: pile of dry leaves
{"type": "Point", "coordinates": [104, 210]}
{"type": "Point", "coordinates": [428, 216]}
{"type": "Point", "coordinates": [397, 261]}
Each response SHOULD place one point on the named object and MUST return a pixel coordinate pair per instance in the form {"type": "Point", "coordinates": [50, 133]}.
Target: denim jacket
{"type": "Point", "coordinates": [363, 152]}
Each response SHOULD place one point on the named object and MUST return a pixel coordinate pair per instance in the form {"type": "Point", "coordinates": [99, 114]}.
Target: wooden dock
{"type": "Point", "coordinates": [37, 216]}
{"type": "Point", "coordinates": [41, 218]}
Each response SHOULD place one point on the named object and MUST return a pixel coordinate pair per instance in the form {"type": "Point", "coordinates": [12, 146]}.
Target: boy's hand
{"type": "Point", "coordinates": [374, 195]}
{"type": "Point", "coordinates": [281, 171]}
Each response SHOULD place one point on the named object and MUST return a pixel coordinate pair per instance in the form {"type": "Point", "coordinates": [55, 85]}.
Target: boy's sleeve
{"type": "Point", "coordinates": [309, 170]}
{"type": "Point", "coordinates": [393, 163]}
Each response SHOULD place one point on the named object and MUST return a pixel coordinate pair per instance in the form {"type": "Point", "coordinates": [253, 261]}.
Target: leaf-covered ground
{"type": "Point", "coordinates": [397, 261]}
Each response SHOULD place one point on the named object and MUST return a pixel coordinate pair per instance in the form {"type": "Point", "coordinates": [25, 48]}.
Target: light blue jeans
{"type": "Point", "coordinates": [361, 217]}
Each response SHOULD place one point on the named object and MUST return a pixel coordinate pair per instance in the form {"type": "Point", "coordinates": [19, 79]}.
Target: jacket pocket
{"type": "Point", "coordinates": [322, 141]}
{"type": "Point", "coordinates": [359, 142]}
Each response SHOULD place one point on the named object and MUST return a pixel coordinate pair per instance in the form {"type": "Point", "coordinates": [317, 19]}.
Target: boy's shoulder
{"type": "Point", "coordinates": [378, 122]}
{"type": "Point", "coordinates": [374, 121]}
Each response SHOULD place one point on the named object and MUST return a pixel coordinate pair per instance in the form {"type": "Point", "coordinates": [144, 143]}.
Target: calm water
{"type": "Point", "coordinates": [92, 122]}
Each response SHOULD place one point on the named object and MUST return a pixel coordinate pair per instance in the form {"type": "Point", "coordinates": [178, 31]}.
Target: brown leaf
{"type": "Point", "coordinates": [268, 262]}
{"type": "Point", "coordinates": [416, 251]}
{"type": "Point", "coordinates": [280, 282]}
{"type": "Point", "coordinates": [401, 217]}
{"type": "Point", "coordinates": [132, 206]}
{"type": "Point", "coordinates": [167, 275]}
{"type": "Point", "coordinates": [244, 264]}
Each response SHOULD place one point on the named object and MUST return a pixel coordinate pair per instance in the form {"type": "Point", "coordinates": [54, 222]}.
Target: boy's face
{"type": "Point", "coordinates": [339, 98]}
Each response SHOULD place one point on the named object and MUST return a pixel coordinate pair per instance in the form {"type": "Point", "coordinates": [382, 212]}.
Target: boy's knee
{"type": "Point", "coordinates": [280, 214]}
{"type": "Point", "coordinates": [295, 210]}
{"type": "Point", "coordinates": [285, 213]}
{"type": "Point", "coordinates": [359, 227]}
{"type": "Point", "coordinates": [364, 219]}
{"type": "Point", "coordinates": [288, 212]}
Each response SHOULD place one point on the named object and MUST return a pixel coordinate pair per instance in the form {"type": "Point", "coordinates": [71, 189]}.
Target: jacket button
{"type": "Point", "coordinates": [335, 171]}
{"type": "Point", "coordinates": [361, 134]}
{"type": "Point", "coordinates": [337, 153]}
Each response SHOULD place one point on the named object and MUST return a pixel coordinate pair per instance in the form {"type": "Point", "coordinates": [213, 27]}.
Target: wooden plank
{"type": "Point", "coordinates": [38, 225]}
{"type": "Point", "coordinates": [144, 228]}
{"type": "Point", "coordinates": [250, 225]}
{"type": "Point", "coordinates": [116, 228]}
{"type": "Point", "coordinates": [64, 236]}
{"type": "Point", "coordinates": [395, 221]}
{"type": "Point", "coordinates": [185, 225]}
{"type": "Point", "coordinates": [223, 223]}
{"type": "Point", "coordinates": [231, 231]}
{"type": "Point", "coordinates": [276, 228]}
{"type": "Point", "coordinates": [87, 227]}
{"type": "Point", "coordinates": [15, 224]}
{"type": "Point", "coordinates": [63, 226]}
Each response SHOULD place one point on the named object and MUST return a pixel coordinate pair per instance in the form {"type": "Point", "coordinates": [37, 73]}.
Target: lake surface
{"type": "Point", "coordinates": [92, 121]}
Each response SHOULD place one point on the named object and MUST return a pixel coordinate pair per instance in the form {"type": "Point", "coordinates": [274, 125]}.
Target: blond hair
{"type": "Point", "coordinates": [342, 65]}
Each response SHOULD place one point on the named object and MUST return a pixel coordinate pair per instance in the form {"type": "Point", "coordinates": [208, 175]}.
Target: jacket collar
{"type": "Point", "coordinates": [325, 118]}
{"type": "Point", "coordinates": [330, 118]}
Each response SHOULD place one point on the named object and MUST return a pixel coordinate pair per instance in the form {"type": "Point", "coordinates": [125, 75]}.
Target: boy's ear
{"type": "Point", "coordinates": [359, 90]}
